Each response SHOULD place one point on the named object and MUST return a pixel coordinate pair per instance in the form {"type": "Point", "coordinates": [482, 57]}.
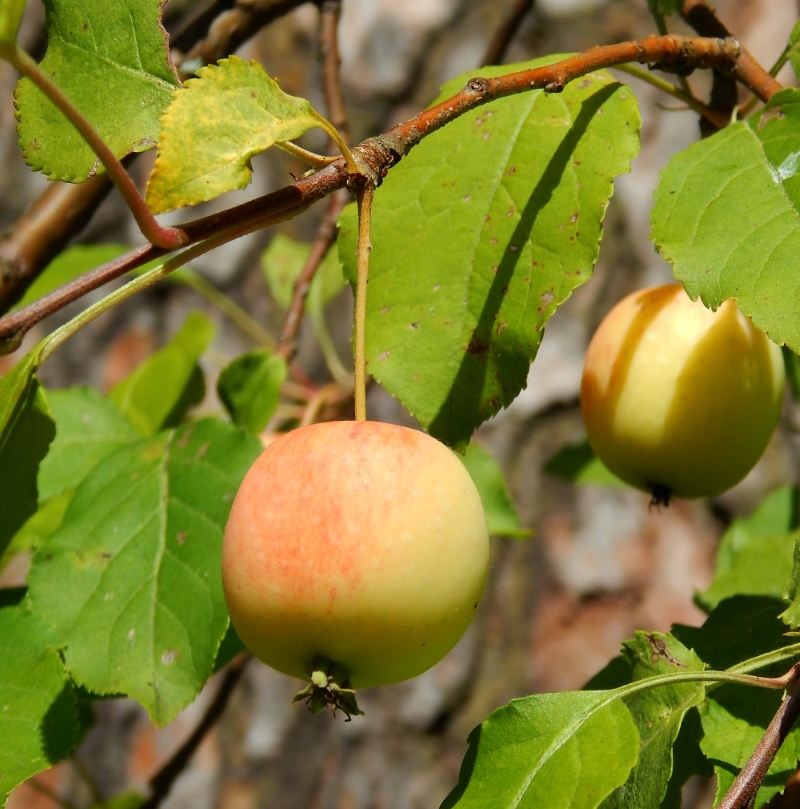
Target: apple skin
{"type": "Point", "coordinates": [677, 398]}
{"type": "Point", "coordinates": [360, 542]}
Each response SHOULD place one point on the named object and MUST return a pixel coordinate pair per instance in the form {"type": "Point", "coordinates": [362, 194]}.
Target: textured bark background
{"type": "Point", "coordinates": [601, 563]}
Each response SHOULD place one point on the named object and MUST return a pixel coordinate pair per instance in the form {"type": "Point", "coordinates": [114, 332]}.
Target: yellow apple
{"type": "Point", "coordinates": [677, 399]}
{"type": "Point", "coordinates": [359, 544]}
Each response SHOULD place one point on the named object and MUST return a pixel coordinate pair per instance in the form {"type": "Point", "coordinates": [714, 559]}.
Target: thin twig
{"type": "Point", "coordinates": [498, 45]}
{"type": "Point", "coordinates": [87, 778]}
{"type": "Point", "coordinates": [43, 231]}
{"type": "Point", "coordinates": [234, 27]}
{"type": "Point", "coordinates": [36, 784]}
{"type": "Point", "coordinates": [691, 101]}
{"type": "Point", "coordinates": [364, 197]}
{"type": "Point", "coordinates": [378, 155]}
{"type": "Point", "coordinates": [330, 11]}
{"type": "Point", "coordinates": [745, 787]}
{"type": "Point", "coordinates": [162, 781]}
{"type": "Point", "coordinates": [323, 241]}
{"type": "Point", "coordinates": [171, 238]}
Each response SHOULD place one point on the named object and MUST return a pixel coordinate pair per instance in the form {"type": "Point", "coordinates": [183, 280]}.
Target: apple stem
{"type": "Point", "coordinates": [364, 195]}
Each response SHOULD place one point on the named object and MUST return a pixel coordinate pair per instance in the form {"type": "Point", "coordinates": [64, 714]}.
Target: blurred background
{"type": "Point", "coordinates": [600, 563]}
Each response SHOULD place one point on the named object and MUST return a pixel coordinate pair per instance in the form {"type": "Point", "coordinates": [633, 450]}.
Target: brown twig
{"type": "Point", "coordinates": [233, 27]}
{"type": "Point", "coordinates": [498, 45]}
{"type": "Point", "coordinates": [162, 781]}
{"type": "Point", "coordinates": [745, 787]}
{"type": "Point", "coordinates": [703, 18]}
{"type": "Point", "coordinates": [330, 11]}
{"type": "Point", "coordinates": [323, 241]}
{"type": "Point", "coordinates": [377, 155]}
{"type": "Point", "coordinates": [43, 231]}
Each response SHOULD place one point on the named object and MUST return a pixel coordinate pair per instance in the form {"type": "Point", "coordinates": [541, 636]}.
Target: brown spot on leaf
{"type": "Point", "coordinates": [384, 356]}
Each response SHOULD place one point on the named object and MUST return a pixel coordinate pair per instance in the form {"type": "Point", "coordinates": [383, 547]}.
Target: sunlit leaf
{"type": "Point", "coordinates": [160, 391]}
{"type": "Point", "coordinates": [11, 12]}
{"type": "Point", "coordinates": [110, 58]}
{"type": "Point", "coordinates": [214, 127]}
{"type": "Point", "coordinates": [131, 580]}
{"type": "Point", "coordinates": [479, 234]}
{"type": "Point", "coordinates": [727, 218]}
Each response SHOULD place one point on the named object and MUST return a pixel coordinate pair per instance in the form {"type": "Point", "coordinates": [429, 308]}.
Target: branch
{"type": "Point", "coordinates": [746, 785]}
{"type": "Point", "coordinates": [323, 241]}
{"type": "Point", "coordinates": [234, 27]}
{"type": "Point", "coordinates": [330, 12]}
{"type": "Point", "coordinates": [43, 231]}
{"type": "Point", "coordinates": [376, 156]}
{"type": "Point", "coordinates": [704, 20]}
{"type": "Point", "coordinates": [162, 781]}
{"type": "Point", "coordinates": [498, 45]}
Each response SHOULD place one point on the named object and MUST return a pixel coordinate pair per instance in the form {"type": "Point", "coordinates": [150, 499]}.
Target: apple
{"type": "Point", "coordinates": [355, 551]}
{"type": "Point", "coordinates": [677, 399]}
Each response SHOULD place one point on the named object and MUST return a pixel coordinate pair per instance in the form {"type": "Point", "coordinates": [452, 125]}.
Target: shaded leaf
{"type": "Point", "coordinates": [11, 12]}
{"type": "Point", "coordinates": [214, 127]}
{"type": "Point", "coordinates": [88, 429]}
{"type": "Point", "coordinates": [755, 555]}
{"type": "Point", "coordinates": [38, 719]}
{"type": "Point", "coordinates": [737, 629]}
{"type": "Point", "coordinates": [250, 388]}
{"type": "Point", "coordinates": [38, 527]}
{"type": "Point", "coordinates": [658, 714]}
{"type": "Point", "coordinates": [26, 430]}
{"type": "Point", "coordinates": [569, 749]}
{"type": "Point", "coordinates": [791, 364]}
{"type": "Point", "coordinates": [771, 786]}
{"type": "Point", "coordinates": [479, 234]}
{"type": "Point", "coordinates": [281, 264]}
{"type": "Point", "coordinates": [688, 760]}
{"type": "Point", "coordinates": [665, 6]}
{"type": "Point", "coordinates": [501, 515]}
{"type": "Point", "coordinates": [160, 391]}
{"type": "Point", "coordinates": [742, 182]}
{"type": "Point", "coordinates": [110, 58]}
{"type": "Point", "coordinates": [579, 464]}
{"type": "Point", "coordinates": [131, 581]}
{"type": "Point", "coordinates": [734, 717]}
{"type": "Point", "coordinates": [68, 265]}
{"type": "Point", "coordinates": [230, 646]}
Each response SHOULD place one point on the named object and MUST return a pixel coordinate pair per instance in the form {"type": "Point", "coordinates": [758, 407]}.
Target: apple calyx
{"type": "Point", "coordinates": [662, 494]}
{"type": "Point", "coordinates": [330, 686]}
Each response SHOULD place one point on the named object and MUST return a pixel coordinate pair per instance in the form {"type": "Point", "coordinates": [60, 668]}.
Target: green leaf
{"type": "Point", "coordinates": [131, 581]}
{"type": "Point", "coordinates": [756, 552]}
{"type": "Point", "coordinates": [734, 717]}
{"type": "Point", "coordinates": [771, 786]}
{"type": "Point", "coordinates": [282, 262]}
{"type": "Point", "coordinates": [567, 750]}
{"type": "Point", "coordinates": [250, 388]}
{"type": "Point", "coordinates": [794, 48]}
{"type": "Point", "coordinates": [88, 429]}
{"type": "Point", "coordinates": [479, 234]}
{"type": "Point", "coordinates": [665, 6]}
{"type": "Point", "coordinates": [501, 515]}
{"type": "Point", "coordinates": [110, 58]}
{"type": "Point", "coordinates": [230, 646]}
{"type": "Point", "coordinates": [38, 527]}
{"type": "Point", "coordinates": [658, 714]}
{"type": "Point", "coordinates": [26, 430]}
{"type": "Point", "coordinates": [38, 719]}
{"type": "Point", "coordinates": [791, 591]}
{"type": "Point", "coordinates": [688, 760]}
{"type": "Point", "coordinates": [579, 464]}
{"type": "Point", "coordinates": [214, 127]}
{"type": "Point", "coordinates": [11, 12]}
{"type": "Point", "coordinates": [69, 265]}
{"type": "Point", "coordinates": [738, 628]}
{"type": "Point", "coordinates": [791, 364]}
{"type": "Point", "coordinates": [726, 217]}
{"type": "Point", "coordinates": [160, 391]}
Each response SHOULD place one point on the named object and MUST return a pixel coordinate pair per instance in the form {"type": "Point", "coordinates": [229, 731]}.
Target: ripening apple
{"type": "Point", "coordinates": [357, 543]}
{"type": "Point", "coordinates": [677, 399]}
